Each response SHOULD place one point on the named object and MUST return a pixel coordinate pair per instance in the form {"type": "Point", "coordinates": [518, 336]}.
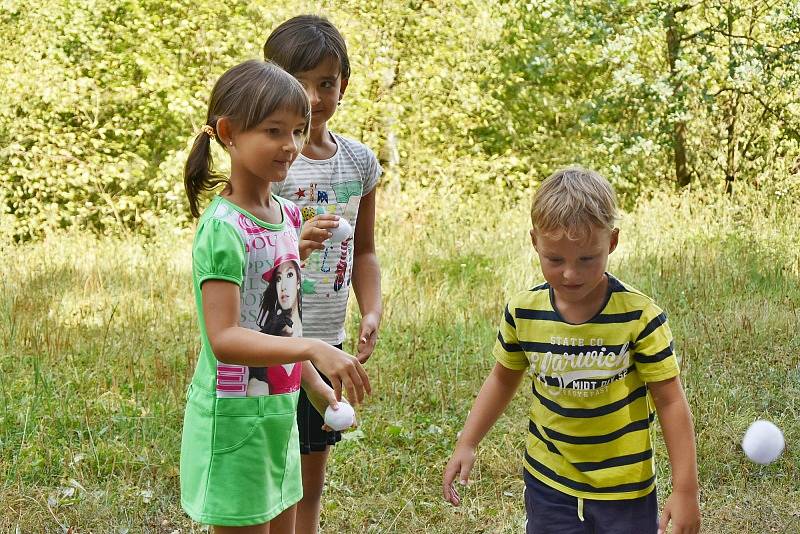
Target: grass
{"type": "Point", "coordinates": [98, 341]}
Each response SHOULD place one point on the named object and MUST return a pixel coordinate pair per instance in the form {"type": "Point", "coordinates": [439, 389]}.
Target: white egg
{"type": "Point", "coordinates": [341, 232]}
{"type": "Point", "coordinates": [340, 419]}
{"type": "Point", "coordinates": [763, 442]}
{"type": "Point", "coordinates": [256, 388]}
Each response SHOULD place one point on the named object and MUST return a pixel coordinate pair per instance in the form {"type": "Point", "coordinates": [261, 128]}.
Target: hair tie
{"type": "Point", "coordinates": [209, 131]}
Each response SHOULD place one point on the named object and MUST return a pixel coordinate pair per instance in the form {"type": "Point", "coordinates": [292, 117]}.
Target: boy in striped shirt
{"type": "Point", "coordinates": [600, 357]}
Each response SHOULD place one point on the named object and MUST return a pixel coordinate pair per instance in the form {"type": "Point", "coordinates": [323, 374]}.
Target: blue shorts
{"type": "Point", "coordinates": [548, 511]}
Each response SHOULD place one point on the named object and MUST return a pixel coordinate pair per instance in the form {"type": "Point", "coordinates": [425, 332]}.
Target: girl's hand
{"type": "Point", "coordinates": [683, 508]}
{"type": "Point", "coordinates": [367, 336]}
{"type": "Point", "coordinates": [460, 465]}
{"type": "Point", "coordinates": [344, 371]}
{"type": "Point", "coordinates": [315, 231]}
{"type": "Point", "coordinates": [321, 395]}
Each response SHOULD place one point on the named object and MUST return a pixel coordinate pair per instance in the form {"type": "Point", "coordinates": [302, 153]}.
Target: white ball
{"type": "Point", "coordinates": [341, 232]}
{"type": "Point", "coordinates": [763, 442]}
{"type": "Point", "coordinates": [340, 419]}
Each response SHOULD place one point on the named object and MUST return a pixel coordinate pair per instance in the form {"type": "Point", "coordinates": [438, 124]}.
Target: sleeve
{"type": "Point", "coordinates": [653, 349]}
{"type": "Point", "coordinates": [507, 350]}
{"type": "Point", "coordinates": [218, 253]}
{"type": "Point", "coordinates": [374, 171]}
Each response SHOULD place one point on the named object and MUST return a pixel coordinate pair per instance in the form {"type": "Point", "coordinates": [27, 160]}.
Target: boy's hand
{"type": "Point", "coordinates": [367, 336]}
{"type": "Point", "coordinates": [683, 508]}
{"type": "Point", "coordinates": [459, 466]}
{"type": "Point", "coordinates": [315, 231]}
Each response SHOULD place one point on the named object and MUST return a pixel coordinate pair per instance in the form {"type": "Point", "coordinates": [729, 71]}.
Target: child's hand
{"type": "Point", "coordinates": [315, 231]}
{"type": "Point", "coordinates": [321, 395]}
{"type": "Point", "coordinates": [344, 371]}
{"type": "Point", "coordinates": [460, 465]}
{"type": "Point", "coordinates": [683, 508]}
{"type": "Point", "coordinates": [367, 336]}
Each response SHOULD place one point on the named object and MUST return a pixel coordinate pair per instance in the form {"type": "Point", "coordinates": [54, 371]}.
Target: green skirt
{"type": "Point", "coordinates": [240, 458]}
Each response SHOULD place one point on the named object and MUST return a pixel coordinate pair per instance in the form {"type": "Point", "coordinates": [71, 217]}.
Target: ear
{"type": "Point", "coordinates": [614, 240]}
{"type": "Point", "coordinates": [225, 131]}
{"type": "Point", "coordinates": [343, 88]}
{"type": "Point", "coordinates": [533, 239]}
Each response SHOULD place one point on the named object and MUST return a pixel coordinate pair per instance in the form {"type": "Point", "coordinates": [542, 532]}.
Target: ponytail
{"type": "Point", "coordinates": [198, 174]}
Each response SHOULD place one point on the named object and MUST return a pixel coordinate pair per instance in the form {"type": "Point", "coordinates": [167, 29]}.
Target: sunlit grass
{"type": "Point", "coordinates": [98, 339]}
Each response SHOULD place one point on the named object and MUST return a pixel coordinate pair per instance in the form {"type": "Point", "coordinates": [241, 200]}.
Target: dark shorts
{"type": "Point", "coordinates": [548, 511]}
{"type": "Point", "coordinates": [309, 424]}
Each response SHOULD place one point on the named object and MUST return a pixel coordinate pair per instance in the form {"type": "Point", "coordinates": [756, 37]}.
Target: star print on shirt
{"type": "Point", "coordinates": [301, 193]}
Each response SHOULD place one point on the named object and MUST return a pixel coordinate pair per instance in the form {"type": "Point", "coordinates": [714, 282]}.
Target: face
{"type": "Point", "coordinates": [324, 87]}
{"type": "Point", "coordinates": [286, 285]}
{"type": "Point", "coordinates": [267, 151]}
{"type": "Point", "coordinates": [575, 269]}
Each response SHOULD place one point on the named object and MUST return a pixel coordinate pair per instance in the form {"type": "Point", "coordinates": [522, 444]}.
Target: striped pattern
{"type": "Point", "coordinates": [591, 413]}
{"type": "Point", "coordinates": [333, 185]}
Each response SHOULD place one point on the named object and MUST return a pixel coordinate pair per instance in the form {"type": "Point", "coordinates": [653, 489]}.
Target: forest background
{"type": "Point", "coordinates": [691, 109]}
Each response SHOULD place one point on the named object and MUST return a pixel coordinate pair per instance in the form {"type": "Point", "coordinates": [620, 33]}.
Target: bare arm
{"type": "Point", "coordinates": [497, 391]}
{"type": "Point", "coordinates": [682, 507]}
{"type": "Point", "coordinates": [367, 277]}
{"type": "Point", "coordinates": [237, 345]}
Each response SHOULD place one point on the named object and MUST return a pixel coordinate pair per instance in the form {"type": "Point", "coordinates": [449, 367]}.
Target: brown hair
{"type": "Point", "coordinates": [246, 95]}
{"type": "Point", "coordinates": [303, 42]}
{"type": "Point", "coordinates": [573, 201]}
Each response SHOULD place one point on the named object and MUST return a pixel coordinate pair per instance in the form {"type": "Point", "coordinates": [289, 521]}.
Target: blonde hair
{"type": "Point", "coordinates": [573, 201]}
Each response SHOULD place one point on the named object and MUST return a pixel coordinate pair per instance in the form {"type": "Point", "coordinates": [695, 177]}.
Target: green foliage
{"type": "Point", "coordinates": [461, 99]}
{"type": "Point", "coordinates": [592, 82]}
{"type": "Point", "coordinates": [103, 96]}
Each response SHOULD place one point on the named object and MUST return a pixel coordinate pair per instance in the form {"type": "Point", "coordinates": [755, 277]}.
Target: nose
{"type": "Point", "coordinates": [313, 97]}
{"type": "Point", "coordinates": [291, 144]}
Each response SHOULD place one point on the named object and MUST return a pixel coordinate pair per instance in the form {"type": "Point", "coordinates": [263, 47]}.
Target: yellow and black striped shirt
{"type": "Point", "coordinates": [589, 428]}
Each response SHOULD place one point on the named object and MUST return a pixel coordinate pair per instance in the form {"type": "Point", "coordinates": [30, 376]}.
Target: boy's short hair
{"type": "Point", "coordinates": [303, 42]}
{"type": "Point", "coordinates": [573, 201]}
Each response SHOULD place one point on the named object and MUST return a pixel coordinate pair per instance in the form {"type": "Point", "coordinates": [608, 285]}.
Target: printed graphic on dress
{"type": "Point", "coordinates": [270, 303]}
{"type": "Point", "coordinates": [280, 315]}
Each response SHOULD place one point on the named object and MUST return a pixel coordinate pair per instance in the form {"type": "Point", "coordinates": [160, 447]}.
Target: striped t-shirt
{"type": "Point", "coordinates": [334, 185]}
{"type": "Point", "coordinates": [589, 428]}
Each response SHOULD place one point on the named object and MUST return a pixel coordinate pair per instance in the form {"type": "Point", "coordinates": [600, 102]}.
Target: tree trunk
{"type": "Point", "coordinates": [682, 175]}
{"type": "Point", "coordinates": [733, 112]}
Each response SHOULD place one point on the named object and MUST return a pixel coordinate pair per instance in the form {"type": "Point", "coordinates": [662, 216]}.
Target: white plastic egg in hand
{"type": "Point", "coordinates": [341, 232]}
{"type": "Point", "coordinates": [763, 442]}
{"type": "Point", "coordinates": [340, 419]}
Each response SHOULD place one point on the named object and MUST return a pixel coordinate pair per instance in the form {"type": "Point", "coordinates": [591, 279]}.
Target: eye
{"type": "Point", "coordinates": [274, 131]}
{"type": "Point", "coordinates": [290, 275]}
{"type": "Point", "coordinates": [299, 133]}
{"type": "Point", "coordinates": [587, 258]}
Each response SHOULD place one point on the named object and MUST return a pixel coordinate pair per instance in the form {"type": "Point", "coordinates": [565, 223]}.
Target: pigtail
{"type": "Point", "coordinates": [198, 173]}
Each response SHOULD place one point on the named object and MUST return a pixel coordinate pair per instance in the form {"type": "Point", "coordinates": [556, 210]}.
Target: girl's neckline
{"type": "Point", "coordinates": [326, 160]}
{"type": "Point", "coordinates": [259, 222]}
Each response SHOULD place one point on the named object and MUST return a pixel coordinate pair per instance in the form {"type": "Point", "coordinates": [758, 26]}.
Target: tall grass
{"type": "Point", "coordinates": [98, 341]}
